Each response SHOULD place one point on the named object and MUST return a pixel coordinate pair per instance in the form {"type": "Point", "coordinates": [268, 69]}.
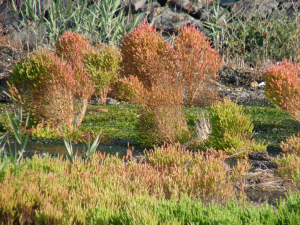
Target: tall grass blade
{"type": "Point", "coordinates": [15, 128]}
{"type": "Point", "coordinates": [69, 149]}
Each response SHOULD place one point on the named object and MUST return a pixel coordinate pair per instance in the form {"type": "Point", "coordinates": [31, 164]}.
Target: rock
{"type": "Point", "coordinates": [245, 9]}
{"type": "Point", "coordinates": [254, 84]}
{"type": "Point", "coordinates": [260, 155]}
{"type": "Point", "coordinates": [261, 85]}
{"type": "Point", "coordinates": [170, 20]}
{"type": "Point", "coordinates": [191, 8]}
{"type": "Point", "coordinates": [111, 101]}
{"type": "Point", "coordinates": [132, 5]}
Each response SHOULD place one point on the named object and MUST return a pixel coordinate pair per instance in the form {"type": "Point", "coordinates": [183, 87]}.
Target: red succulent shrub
{"type": "Point", "coordinates": [44, 85]}
{"type": "Point", "coordinates": [69, 43]}
{"type": "Point", "coordinates": [152, 63]}
{"type": "Point", "coordinates": [198, 61]}
{"type": "Point", "coordinates": [147, 56]}
{"type": "Point", "coordinates": [48, 88]}
{"type": "Point", "coordinates": [283, 87]}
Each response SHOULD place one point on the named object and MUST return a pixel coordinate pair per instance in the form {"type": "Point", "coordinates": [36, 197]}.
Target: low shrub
{"type": "Point", "coordinates": [232, 129]}
{"type": "Point", "coordinates": [169, 156]}
{"type": "Point", "coordinates": [55, 190]}
{"type": "Point", "coordinates": [289, 162]}
{"type": "Point", "coordinates": [288, 167]}
{"type": "Point", "coordinates": [103, 63]}
{"type": "Point", "coordinates": [291, 145]}
{"type": "Point", "coordinates": [283, 87]}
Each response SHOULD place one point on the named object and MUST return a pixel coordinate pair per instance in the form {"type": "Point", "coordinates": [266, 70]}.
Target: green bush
{"type": "Point", "coordinates": [103, 63]}
{"type": "Point", "coordinates": [232, 129]}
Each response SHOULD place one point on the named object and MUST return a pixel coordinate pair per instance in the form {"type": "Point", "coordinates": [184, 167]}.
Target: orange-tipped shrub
{"type": "Point", "coordinates": [49, 87]}
{"type": "Point", "coordinates": [283, 87]}
{"type": "Point", "coordinates": [69, 43]}
{"type": "Point", "coordinates": [198, 62]}
{"type": "Point", "coordinates": [45, 87]}
{"type": "Point", "coordinates": [162, 117]}
{"type": "Point", "coordinates": [153, 65]}
{"type": "Point", "coordinates": [291, 145]}
{"type": "Point", "coordinates": [288, 167]}
{"type": "Point", "coordinates": [147, 56]}
{"type": "Point", "coordinates": [55, 87]}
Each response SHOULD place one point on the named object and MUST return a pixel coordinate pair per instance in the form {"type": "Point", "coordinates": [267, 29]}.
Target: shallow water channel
{"type": "Point", "coordinates": [60, 149]}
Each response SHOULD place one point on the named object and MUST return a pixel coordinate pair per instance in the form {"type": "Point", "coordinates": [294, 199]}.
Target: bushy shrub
{"type": "Point", "coordinates": [161, 117]}
{"type": "Point", "coordinates": [69, 43]}
{"type": "Point", "coordinates": [151, 62]}
{"type": "Point", "coordinates": [232, 129]}
{"type": "Point", "coordinates": [283, 87]}
{"type": "Point", "coordinates": [40, 87]}
{"type": "Point", "coordinates": [198, 62]}
{"type": "Point", "coordinates": [291, 145]}
{"type": "Point", "coordinates": [147, 56]}
{"type": "Point", "coordinates": [53, 90]}
{"type": "Point", "coordinates": [289, 162]}
{"type": "Point", "coordinates": [72, 47]}
{"type": "Point", "coordinates": [103, 63]}
{"type": "Point", "coordinates": [288, 167]}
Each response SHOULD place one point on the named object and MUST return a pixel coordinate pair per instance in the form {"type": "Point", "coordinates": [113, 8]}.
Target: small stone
{"type": "Point", "coordinates": [254, 84]}
{"type": "Point", "coordinates": [111, 101]}
{"type": "Point", "coordinates": [260, 155]}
